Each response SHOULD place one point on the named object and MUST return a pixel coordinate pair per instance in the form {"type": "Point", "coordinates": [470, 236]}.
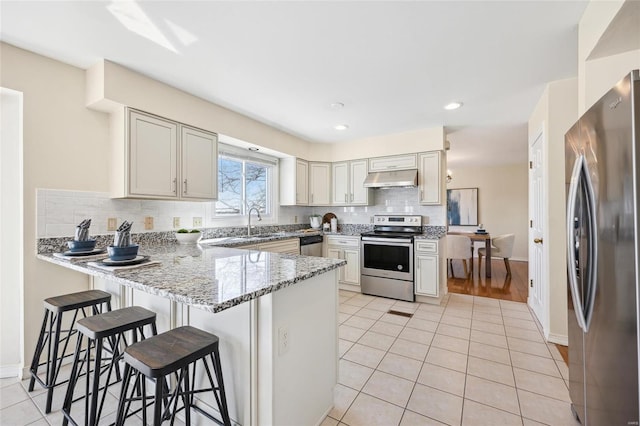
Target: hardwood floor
{"type": "Point", "coordinates": [499, 286]}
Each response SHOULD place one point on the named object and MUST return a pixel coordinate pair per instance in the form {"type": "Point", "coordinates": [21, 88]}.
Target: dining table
{"type": "Point", "coordinates": [479, 236]}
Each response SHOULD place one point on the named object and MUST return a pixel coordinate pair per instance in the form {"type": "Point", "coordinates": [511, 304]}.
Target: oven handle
{"type": "Point", "coordinates": [393, 241]}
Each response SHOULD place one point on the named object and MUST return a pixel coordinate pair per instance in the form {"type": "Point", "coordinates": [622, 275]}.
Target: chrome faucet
{"type": "Point", "coordinates": [249, 225]}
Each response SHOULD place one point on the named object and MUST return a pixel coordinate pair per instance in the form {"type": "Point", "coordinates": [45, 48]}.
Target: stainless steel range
{"type": "Point", "coordinates": [387, 257]}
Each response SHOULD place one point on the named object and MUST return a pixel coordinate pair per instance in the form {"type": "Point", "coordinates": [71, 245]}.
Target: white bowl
{"type": "Point", "coordinates": [189, 238]}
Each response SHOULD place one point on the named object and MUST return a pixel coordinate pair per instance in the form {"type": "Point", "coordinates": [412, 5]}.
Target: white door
{"type": "Point", "coordinates": [537, 287]}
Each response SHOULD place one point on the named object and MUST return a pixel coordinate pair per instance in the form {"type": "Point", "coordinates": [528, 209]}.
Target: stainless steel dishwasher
{"type": "Point", "coordinates": [311, 245]}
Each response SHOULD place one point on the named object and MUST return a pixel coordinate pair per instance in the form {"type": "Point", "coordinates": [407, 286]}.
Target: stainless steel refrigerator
{"type": "Point", "coordinates": [602, 168]}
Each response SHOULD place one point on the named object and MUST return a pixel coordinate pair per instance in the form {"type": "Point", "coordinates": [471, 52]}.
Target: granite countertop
{"type": "Point", "coordinates": [430, 236]}
{"type": "Point", "coordinates": [237, 241]}
{"type": "Point", "coordinates": [208, 277]}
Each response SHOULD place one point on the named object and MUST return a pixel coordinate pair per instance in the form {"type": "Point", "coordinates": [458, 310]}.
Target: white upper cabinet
{"type": "Point", "coordinates": [347, 183]}
{"type": "Point", "coordinates": [357, 174]}
{"type": "Point", "coordinates": [430, 177]}
{"type": "Point", "coordinates": [340, 183]}
{"type": "Point", "coordinates": [319, 184]}
{"type": "Point", "coordinates": [164, 159]}
{"type": "Point", "coordinates": [153, 156]}
{"type": "Point", "coordinates": [294, 182]}
{"type": "Point", "coordinates": [199, 164]}
{"type": "Point", "coordinates": [393, 162]}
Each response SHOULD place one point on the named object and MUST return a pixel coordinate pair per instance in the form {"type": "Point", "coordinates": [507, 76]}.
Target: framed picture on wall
{"type": "Point", "coordinates": [462, 206]}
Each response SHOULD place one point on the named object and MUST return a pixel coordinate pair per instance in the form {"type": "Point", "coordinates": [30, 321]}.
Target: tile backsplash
{"type": "Point", "coordinates": [59, 211]}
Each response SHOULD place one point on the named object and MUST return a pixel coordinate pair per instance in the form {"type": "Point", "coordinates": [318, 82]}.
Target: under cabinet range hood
{"type": "Point", "coordinates": [402, 178]}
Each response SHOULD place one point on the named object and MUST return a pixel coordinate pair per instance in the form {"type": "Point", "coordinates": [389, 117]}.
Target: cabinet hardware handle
{"type": "Point", "coordinates": [537, 240]}
{"type": "Point", "coordinates": [392, 167]}
{"type": "Point", "coordinates": [345, 198]}
{"type": "Point", "coordinates": [185, 186]}
{"type": "Point", "coordinates": [312, 198]}
{"type": "Point", "coordinates": [352, 197]}
{"type": "Point", "coordinates": [175, 185]}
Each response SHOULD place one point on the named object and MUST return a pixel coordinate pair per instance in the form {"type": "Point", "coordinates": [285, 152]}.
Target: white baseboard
{"type": "Point", "coordinates": [10, 371]}
{"type": "Point", "coordinates": [558, 339]}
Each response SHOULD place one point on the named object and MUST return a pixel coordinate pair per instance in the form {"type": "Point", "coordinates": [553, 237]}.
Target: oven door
{"type": "Point", "coordinates": [387, 258]}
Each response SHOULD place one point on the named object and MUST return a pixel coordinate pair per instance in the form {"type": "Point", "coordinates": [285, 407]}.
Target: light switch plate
{"type": "Point", "coordinates": [148, 223]}
{"type": "Point", "coordinates": [112, 224]}
{"type": "Point", "coordinates": [176, 222]}
{"type": "Point", "coordinates": [197, 222]}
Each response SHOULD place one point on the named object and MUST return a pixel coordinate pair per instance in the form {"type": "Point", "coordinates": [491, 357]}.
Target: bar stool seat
{"type": "Point", "coordinates": [51, 335]}
{"type": "Point", "coordinates": [169, 353]}
{"type": "Point", "coordinates": [105, 333]}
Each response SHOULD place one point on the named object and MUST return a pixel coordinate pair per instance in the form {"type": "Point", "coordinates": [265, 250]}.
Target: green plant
{"type": "Point", "coordinates": [182, 231]}
{"type": "Point", "coordinates": [195, 231]}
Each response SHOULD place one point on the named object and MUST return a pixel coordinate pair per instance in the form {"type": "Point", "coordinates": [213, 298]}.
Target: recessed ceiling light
{"type": "Point", "coordinates": [453, 105]}
{"type": "Point", "coordinates": [253, 148]}
{"type": "Point", "coordinates": [337, 105]}
{"type": "Point", "coordinates": [341, 127]}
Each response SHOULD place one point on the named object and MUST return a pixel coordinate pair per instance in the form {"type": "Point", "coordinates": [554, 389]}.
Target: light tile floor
{"type": "Point", "coordinates": [471, 361]}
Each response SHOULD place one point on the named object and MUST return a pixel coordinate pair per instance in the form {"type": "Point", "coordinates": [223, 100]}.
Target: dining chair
{"type": "Point", "coordinates": [501, 246]}
{"type": "Point", "coordinates": [459, 247]}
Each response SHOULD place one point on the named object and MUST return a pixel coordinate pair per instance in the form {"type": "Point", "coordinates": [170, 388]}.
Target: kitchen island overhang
{"type": "Point", "coordinates": [276, 316]}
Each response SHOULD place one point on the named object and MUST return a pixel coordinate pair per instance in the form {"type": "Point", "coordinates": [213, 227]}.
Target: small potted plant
{"type": "Point", "coordinates": [184, 236]}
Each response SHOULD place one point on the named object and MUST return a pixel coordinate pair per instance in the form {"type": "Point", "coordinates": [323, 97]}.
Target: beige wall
{"type": "Point", "coordinates": [597, 76]}
{"type": "Point", "coordinates": [65, 145]}
{"type": "Point", "coordinates": [554, 114]}
{"type": "Point", "coordinates": [502, 200]}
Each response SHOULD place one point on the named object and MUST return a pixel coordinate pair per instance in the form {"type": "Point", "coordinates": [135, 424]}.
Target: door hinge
{"type": "Point", "coordinates": [531, 224]}
{"type": "Point", "coordinates": [531, 283]}
{"type": "Point", "coordinates": [531, 164]}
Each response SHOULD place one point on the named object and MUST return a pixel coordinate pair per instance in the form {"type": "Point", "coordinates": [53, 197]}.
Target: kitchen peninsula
{"type": "Point", "coordinates": [275, 315]}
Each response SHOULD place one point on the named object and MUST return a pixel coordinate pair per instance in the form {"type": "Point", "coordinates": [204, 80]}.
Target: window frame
{"type": "Point", "coordinates": [271, 163]}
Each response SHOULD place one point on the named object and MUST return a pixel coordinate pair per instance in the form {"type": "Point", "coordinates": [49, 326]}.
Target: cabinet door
{"type": "Point", "coordinates": [340, 183]}
{"type": "Point", "coordinates": [352, 269]}
{"type": "Point", "coordinates": [153, 150]}
{"type": "Point", "coordinates": [336, 253]}
{"type": "Point", "coordinates": [199, 164]}
{"type": "Point", "coordinates": [358, 173]}
{"type": "Point", "coordinates": [302, 182]}
{"type": "Point", "coordinates": [427, 275]}
{"type": "Point", "coordinates": [319, 184]}
{"type": "Point", "coordinates": [430, 178]}
{"type": "Point", "coordinates": [395, 162]}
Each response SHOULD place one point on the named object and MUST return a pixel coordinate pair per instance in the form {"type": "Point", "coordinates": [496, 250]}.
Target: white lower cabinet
{"type": "Point", "coordinates": [347, 248]}
{"type": "Point", "coordinates": [289, 246]}
{"type": "Point", "coordinates": [427, 268]}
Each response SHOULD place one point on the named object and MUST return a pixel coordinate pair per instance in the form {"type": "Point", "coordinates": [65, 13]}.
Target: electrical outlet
{"type": "Point", "coordinates": [371, 219]}
{"type": "Point", "coordinates": [176, 222]}
{"type": "Point", "coordinates": [283, 340]}
{"type": "Point", "coordinates": [112, 224]}
{"type": "Point", "coordinates": [148, 223]}
{"type": "Point", "coordinates": [197, 222]}
{"type": "Point", "coordinates": [295, 219]}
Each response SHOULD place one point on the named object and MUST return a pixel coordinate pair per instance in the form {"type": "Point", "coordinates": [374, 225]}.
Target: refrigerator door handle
{"type": "Point", "coordinates": [571, 241]}
{"type": "Point", "coordinates": [592, 246]}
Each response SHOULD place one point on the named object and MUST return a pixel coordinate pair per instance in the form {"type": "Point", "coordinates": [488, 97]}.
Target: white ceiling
{"type": "Point", "coordinates": [393, 64]}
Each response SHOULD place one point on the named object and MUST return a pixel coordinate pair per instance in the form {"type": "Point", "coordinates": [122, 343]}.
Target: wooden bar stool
{"type": "Point", "coordinates": [106, 334]}
{"type": "Point", "coordinates": [175, 352]}
{"type": "Point", "coordinates": [51, 335]}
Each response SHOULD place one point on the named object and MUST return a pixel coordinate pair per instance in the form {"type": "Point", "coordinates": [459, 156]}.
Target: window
{"type": "Point", "coordinates": [243, 182]}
